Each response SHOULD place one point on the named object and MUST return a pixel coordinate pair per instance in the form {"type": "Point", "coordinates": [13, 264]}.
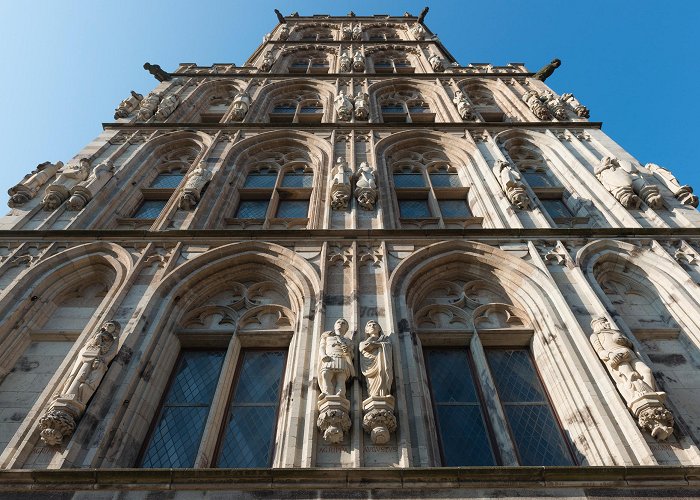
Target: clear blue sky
{"type": "Point", "coordinates": [67, 64]}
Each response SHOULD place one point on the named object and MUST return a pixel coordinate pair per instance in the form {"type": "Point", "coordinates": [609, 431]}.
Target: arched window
{"type": "Point", "coordinates": [382, 34]}
{"type": "Point", "coordinates": [313, 34]}
{"type": "Point", "coordinates": [405, 106]}
{"type": "Point", "coordinates": [391, 62]}
{"type": "Point", "coordinates": [305, 107]}
{"type": "Point", "coordinates": [217, 105]}
{"type": "Point", "coordinates": [310, 62]}
{"type": "Point", "coordinates": [484, 102]}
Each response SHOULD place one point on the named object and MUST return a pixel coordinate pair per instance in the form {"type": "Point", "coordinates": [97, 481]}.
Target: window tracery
{"type": "Point", "coordinates": [301, 107]}
{"type": "Point", "coordinates": [405, 106]}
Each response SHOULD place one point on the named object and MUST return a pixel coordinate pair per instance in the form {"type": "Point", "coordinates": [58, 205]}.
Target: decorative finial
{"type": "Point", "coordinates": [422, 15]}
{"type": "Point", "coordinates": [280, 17]}
{"type": "Point", "coordinates": [157, 71]}
{"type": "Point", "coordinates": [547, 71]}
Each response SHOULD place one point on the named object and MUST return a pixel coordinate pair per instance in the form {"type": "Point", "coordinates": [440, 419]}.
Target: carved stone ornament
{"type": "Point", "coordinates": [128, 105]}
{"type": "Point", "coordinates": [166, 107]}
{"type": "Point", "coordinates": [346, 32]}
{"type": "Point", "coordinates": [684, 193]}
{"type": "Point", "coordinates": [555, 106]}
{"type": "Point", "coordinates": [633, 378]}
{"type": "Point", "coordinates": [340, 186]}
{"type": "Point", "coordinates": [345, 62]}
{"type": "Point", "coordinates": [418, 31]}
{"type": "Point", "coordinates": [358, 61]}
{"type": "Point", "coordinates": [66, 408]}
{"type": "Point", "coordinates": [29, 187]}
{"type": "Point", "coordinates": [335, 368]}
{"type": "Point", "coordinates": [366, 187]}
{"type": "Point", "coordinates": [622, 179]}
{"type": "Point", "coordinates": [343, 107]}
{"type": "Point", "coordinates": [547, 70]}
{"type": "Point", "coordinates": [284, 33]}
{"type": "Point", "coordinates": [437, 63]}
{"type": "Point", "coordinates": [60, 189]}
{"type": "Point", "coordinates": [362, 106]}
{"type": "Point", "coordinates": [240, 106]}
{"type": "Point", "coordinates": [84, 191]}
{"type": "Point", "coordinates": [512, 185]}
{"type": "Point", "coordinates": [357, 32]}
{"type": "Point", "coordinates": [268, 61]}
{"type": "Point", "coordinates": [463, 107]}
{"type": "Point", "coordinates": [194, 184]}
{"type": "Point", "coordinates": [148, 107]}
{"type": "Point", "coordinates": [532, 99]}
{"type": "Point", "coordinates": [578, 108]}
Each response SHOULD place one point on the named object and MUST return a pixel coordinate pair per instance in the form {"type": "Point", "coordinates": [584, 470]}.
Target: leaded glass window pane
{"type": "Point", "coordinates": [413, 209]}
{"type": "Point", "coordinates": [293, 209]}
{"type": "Point", "coordinates": [173, 444]}
{"type": "Point", "coordinates": [445, 180]}
{"type": "Point", "coordinates": [261, 180]}
{"type": "Point", "coordinates": [458, 411]}
{"type": "Point", "coordinates": [311, 108]}
{"type": "Point", "coordinates": [556, 208]}
{"type": "Point", "coordinates": [409, 180]}
{"type": "Point", "coordinates": [149, 209]}
{"type": "Point", "coordinates": [167, 181]}
{"type": "Point", "coordinates": [392, 109]}
{"type": "Point", "coordinates": [252, 209]}
{"type": "Point", "coordinates": [454, 208]}
{"type": "Point", "coordinates": [284, 109]}
{"type": "Point", "coordinates": [534, 429]}
{"type": "Point", "coordinates": [305, 180]}
{"type": "Point", "coordinates": [538, 179]}
{"type": "Point", "coordinates": [248, 434]}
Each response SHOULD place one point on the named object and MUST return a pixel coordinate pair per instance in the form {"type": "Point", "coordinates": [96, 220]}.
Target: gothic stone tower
{"type": "Point", "coordinates": [351, 262]}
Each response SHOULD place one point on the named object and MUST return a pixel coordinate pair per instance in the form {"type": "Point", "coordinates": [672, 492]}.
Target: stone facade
{"type": "Point", "coordinates": [324, 227]}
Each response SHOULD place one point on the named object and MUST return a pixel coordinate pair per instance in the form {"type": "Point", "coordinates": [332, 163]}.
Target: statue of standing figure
{"type": "Point", "coordinates": [30, 185]}
{"type": "Point", "coordinates": [683, 193]}
{"type": "Point", "coordinates": [463, 107]}
{"type": "Point", "coordinates": [343, 106]}
{"type": "Point", "coordinates": [167, 106]}
{"type": "Point", "coordinates": [340, 185]}
{"type": "Point", "coordinates": [512, 185]}
{"type": "Point", "coordinates": [148, 107]}
{"type": "Point", "coordinates": [60, 189]}
{"type": "Point", "coordinates": [366, 187]}
{"type": "Point", "coordinates": [358, 61]}
{"type": "Point", "coordinates": [362, 105]}
{"type": "Point", "coordinates": [345, 62]}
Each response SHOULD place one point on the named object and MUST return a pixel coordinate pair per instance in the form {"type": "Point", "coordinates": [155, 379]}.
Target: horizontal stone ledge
{"type": "Point", "coordinates": [241, 71]}
{"type": "Point", "coordinates": [360, 126]}
{"type": "Point", "coordinates": [360, 478]}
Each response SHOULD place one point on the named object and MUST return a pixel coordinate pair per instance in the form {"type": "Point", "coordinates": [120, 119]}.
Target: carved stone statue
{"type": "Point", "coordinates": [148, 107]}
{"type": "Point", "coordinates": [418, 31]}
{"type": "Point", "coordinates": [29, 187]}
{"type": "Point", "coordinates": [158, 72]}
{"type": "Point", "coordinates": [167, 106]}
{"type": "Point", "coordinates": [284, 33]}
{"type": "Point", "coordinates": [532, 99]}
{"type": "Point", "coordinates": [340, 185]}
{"type": "Point", "coordinates": [555, 106]}
{"type": "Point", "coordinates": [84, 191]}
{"type": "Point", "coordinates": [633, 379]}
{"type": "Point", "coordinates": [623, 181]}
{"type": "Point", "coordinates": [240, 106]}
{"type": "Point", "coordinates": [343, 106]}
{"type": "Point", "coordinates": [127, 105]}
{"type": "Point", "coordinates": [437, 63]}
{"type": "Point", "coordinates": [357, 32]}
{"type": "Point", "coordinates": [267, 37]}
{"type": "Point", "coordinates": [578, 108]}
{"type": "Point", "coordinates": [346, 33]}
{"type": "Point", "coordinates": [345, 62]}
{"type": "Point", "coordinates": [366, 187]}
{"type": "Point", "coordinates": [280, 17]}
{"type": "Point", "coordinates": [547, 70]}
{"type": "Point", "coordinates": [194, 183]}
{"type": "Point", "coordinates": [268, 61]}
{"type": "Point", "coordinates": [362, 106]}
{"type": "Point", "coordinates": [463, 107]}
{"type": "Point", "coordinates": [88, 370]}
{"type": "Point", "coordinates": [684, 193]}
{"type": "Point", "coordinates": [512, 185]}
{"type": "Point", "coordinates": [59, 190]}
{"type": "Point", "coordinates": [358, 61]}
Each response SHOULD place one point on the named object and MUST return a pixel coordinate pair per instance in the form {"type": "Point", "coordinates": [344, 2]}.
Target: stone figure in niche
{"type": "Point", "coordinates": [194, 184]}
{"type": "Point", "coordinates": [437, 63]}
{"type": "Point", "coordinates": [684, 193]}
{"type": "Point", "coordinates": [268, 61]}
{"type": "Point", "coordinates": [512, 185]}
{"type": "Point", "coordinates": [240, 106]}
{"type": "Point", "coordinates": [463, 107]}
{"type": "Point", "coordinates": [340, 187]}
{"type": "Point", "coordinates": [59, 190]}
{"type": "Point", "coordinates": [347, 32]}
{"type": "Point", "coordinates": [29, 187]}
{"type": "Point", "coordinates": [84, 191]}
{"type": "Point", "coordinates": [148, 107]}
{"type": "Point", "coordinates": [358, 61]}
{"type": "Point", "coordinates": [533, 101]}
{"type": "Point", "coordinates": [622, 180]}
{"type": "Point", "coordinates": [343, 106]}
{"type": "Point", "coordinates": [547, 70]}
{"type": "Point", "coordinates": [284, 33]}
{"type": "Point", "coordinates": [89, 369]}
{"type": "Point", "coordinates": [362, 105]}
{"type": "Point", "coordinates": [418, 31]}
{"type": "Point", "coordinates": [366, 187]}
{"type": "Point", "coordinates": [578, 108]}
{"type": "Point", "coordinates": [633, 379]}
{"type": "Point", "coordinates": [345, 62]}
{"type": "Point", "coordinates": [166, 107]}
{"type": "Point", "coordinates": [555, 106]}
{"type": "Point", "coordinates": [127, 105]}
{"type": "Point", "coordinates": [357, 32]}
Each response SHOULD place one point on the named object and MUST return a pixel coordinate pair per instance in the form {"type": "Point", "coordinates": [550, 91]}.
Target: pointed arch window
{"type": "Point", "coordinates": [304, 108]}
{"type": "Point", "coordinates": [309, 63]}
{"type": "Point", "coordinates": [405, 106]}
{"type": "Point", "coordinates": [388, 63]}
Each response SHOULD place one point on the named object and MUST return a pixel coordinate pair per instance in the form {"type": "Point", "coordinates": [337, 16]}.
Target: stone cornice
{"type": "Point", "coordinates": [350, 126]}
{"type": "Point", "coordinates": [335, 76]}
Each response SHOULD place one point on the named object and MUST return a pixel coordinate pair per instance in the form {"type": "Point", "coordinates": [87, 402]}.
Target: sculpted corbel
{"type": "Point", "coordinates": [345, 62]}
{"type": "Point", "coordinates": [29, 187]}
{"type": "Point", "coordinates": [194, 184]}
{"type": "Point", "coordinates": [512, 185]}
{"type": "Point", "coordinates": [437, 63]}
{"type": "Point", "coordinates": [128, 105]}
{"type": "Point", "coordinates": [366, 187]}
{"type": "Point", "coordinates": [268, 61]}
{"type": "Point", "coordinates": [166, 107]}
{"type": "Point", "coordinates": [555, 106]}
{"type": "Point", "coordinates": [533, 101]}
{"type": "Point", "coordinates": [343, 106]}
{"type": "Point", "coordinates": [633, 378]}
{"type": "Point", "coordinates": [341, 185]}
{"type": "Point", "coordinates": [463, 107]}
{"type": "Point", "coordinates": [60, 189]}
{"type": "Point", "coordinates": [362, 105]}
{"type": "Point", "coordinates": [148, 107]}
{"type": "Point", "coordinates": [578, 108]}
{"type": "Point", "coordinates": [66, 408]}
{"type": "Point", "coordinates": [240, 106]}
{"type": "Point", "coordinates": [358, 61]}
{"type": "Point", "coordinates": [684, 193]}
{"type": "Point", "coordinates": [84, 191]}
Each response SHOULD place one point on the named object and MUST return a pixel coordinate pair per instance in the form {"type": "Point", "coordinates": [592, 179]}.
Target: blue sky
{"type": "Point", "coordinates": [66, 65]}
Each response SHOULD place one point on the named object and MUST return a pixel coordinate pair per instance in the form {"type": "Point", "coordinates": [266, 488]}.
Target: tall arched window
{"type": "Point", "coordinates": [405, 106]}
{"type": "Point", "coordinates": [302, 107]}
{"type": "Point", "coordinates": [309, 62]}
{"type": "Point", "coordinates": [391, 62]}
{"type": "Point", "coordinates": [484, 102]}
{"type": "Point", "coordinates": [382, 34]}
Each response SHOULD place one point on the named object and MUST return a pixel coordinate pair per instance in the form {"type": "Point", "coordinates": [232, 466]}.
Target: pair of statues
{"type": "Point", "coordinates": [341, 186]}
{"type": "Point", "coordinates": [623, 180]}
{"type": "Point", "coordinates": [346, 105]}
{"type": "Point", "coordinates": [356, 63]}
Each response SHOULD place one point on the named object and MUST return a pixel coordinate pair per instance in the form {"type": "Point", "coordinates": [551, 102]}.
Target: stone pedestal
{"type": "Point", "coordinates": [379, 420]}
{"type": "Point", "coordinates": [60, 420]}
{"type": "Point", "coordinates": [652, 415]}
{"type": "Point", "coordinates": [333, 418]}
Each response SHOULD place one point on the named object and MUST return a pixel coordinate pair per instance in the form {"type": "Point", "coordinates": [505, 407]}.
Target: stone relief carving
{"type": "Point", "coordinates": [362, 105]}
{"type": "Point", "coordinates": [29, 187]}
{"type": "Point", "coordinates": [268, 61]}
{"type": "Point", "coordinates": [167, 106]}
{"type": "Point", "coordinates": [194, 184]}
{"type": "Point", "coordinates": [578, 108]}
{"type": "Point", "coordinates": [68, 406]}
{"type": "Point", "coordinates": [60, 189]}
{"type": "Point", "coordinates": [622, 180]}
{"type": "Point", "coordinates": [335, 368]}
{"type": "Point", "coordinates": [284, 33]}
{"type": "Point", "coordinates": [633, 378]}
{"type": "Point", "coordinates": [533, 101]}
{"type": "Point", "coordinates": [512, 185]}
{"type": "Point", "coordinates": [437, 63]}
{"type": "Point", "coordinates": [346, 32]}
{"type": "Point", "coordinates": [343, 107]}
{"type": "Point", "coordinates": [241, 104]}
{"type": "Point", "coordinates": [148, 106]}
{"type": "Point", "coordinates": [418, 31]}
{"type": "Point", "coordinates": [340, 187]}
{"type": "Point", "coordinates": [684, 193]}
{"type": "Point", "coordinates": [366, 187]}
{"type": "Point", "coordinates": [345, 62]}
{"type": "Point", "coordinates": [358, 61]}
{"type": "Point", "coordinates": [84, 191]}
{"type": "Point", "coordinates": [357, 32]}
{"type": "Point", "coordinates": [128, 105]}
{"type": "Point", "coordinates": [378, 369]}
{"type": "Point", "coordinates": [463, 107]}
{"type": "Point", "coordinates": [555, 106]}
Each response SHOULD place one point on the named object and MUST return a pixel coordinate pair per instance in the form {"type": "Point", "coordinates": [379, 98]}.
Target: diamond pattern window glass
{"type": "Point", "coordinates": [556, 208]}
{"type": "Point", "coordinates": [414, 209]}
{"type": "Point", "coordinates": [533, 427]}
{"type": "Point", "coordinates": [189, 398]}
{"type": "Point", "coordinates": [248, 435]}
{"type": "Point", "coordinates": [149, 209]}
{"type": "Point", "coordinates": [460, 419]}
{"type": "Point", "coordinates": [264, 179]}
{"type": "Point", "coordinates": [538, 179]}
{"type": "Point", "coordinates": [298, 179]}
{"type": "Point", "coordinates": [252, 209]}
{"type": "Point", "coordinates": [167, 181]}
{"type": "Point", "coordinates": [408, 180]}
{"type": "Point", "coordinates": [453, 208]}
{"type": "Point", "coordinates": [293, 209]}
{"type": "Point", "coordinates": [445, 180]}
